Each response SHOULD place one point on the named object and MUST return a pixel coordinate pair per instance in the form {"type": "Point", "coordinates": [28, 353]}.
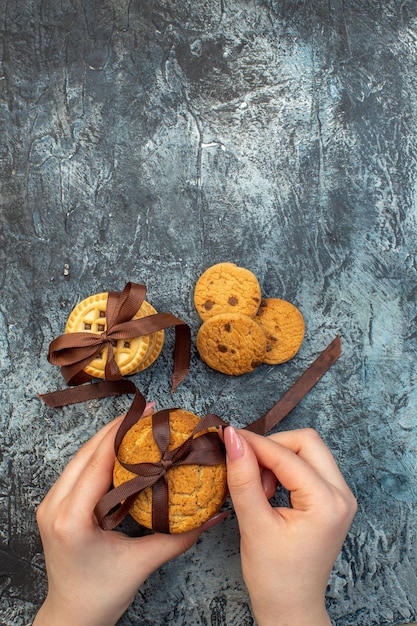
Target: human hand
{"type": "Point", "coordinates": [287, 553]}
{"type": "Point", "coordinates": [93, 574]}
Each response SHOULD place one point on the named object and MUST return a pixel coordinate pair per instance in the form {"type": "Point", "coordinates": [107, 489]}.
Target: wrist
{"type": "Point", "coordinates": [270, 615]}
{"type": "Point", "coordinates": [50, 615]}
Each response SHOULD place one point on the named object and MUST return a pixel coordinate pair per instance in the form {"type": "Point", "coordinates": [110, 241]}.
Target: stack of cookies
{"type": "Point", "coordinates": [132, 355]}
{"type": "Point", "coordinates": [196, 492]}
{"type": "Point", "coordinates": [240, 330]}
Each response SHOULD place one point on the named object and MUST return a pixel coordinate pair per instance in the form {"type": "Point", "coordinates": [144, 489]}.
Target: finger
{"type": "Point", "coordinates": [149, 408]}
{"type": "Point", "coordinates": [244, 481]}
{"type": "Point", "coordinates": [95, 479]}
{"type": "Point", "coordinates": [292, 471]}
{"type": "Point", "coordinates": [78, 463]}
{"type": "Point", "coordinates": [308, 445]}
{"type": "Point", "coordinates": [216, 519]}
{"type": "Point", "coordinates": [152, 551]}
{"type": "Point", "coordinates": [268, 479]}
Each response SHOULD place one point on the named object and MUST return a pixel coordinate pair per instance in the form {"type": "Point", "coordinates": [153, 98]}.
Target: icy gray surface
{"type": "Point", "coordinates": [145, 141]}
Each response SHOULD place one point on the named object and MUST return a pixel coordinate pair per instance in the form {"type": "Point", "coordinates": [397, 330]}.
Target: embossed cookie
{"type": "Point", "coordinates": [283, 325]}
{"type": "Point", "coordinates": [90, 316]}
{"type": "Point", "coordinates": [231, 343]}
{"type": "Point", "coordinates": [196, 492]}
{"type": "Point", "coordinates": [156, 340]}
{"type": "Point", "coordinates": [227, 288]}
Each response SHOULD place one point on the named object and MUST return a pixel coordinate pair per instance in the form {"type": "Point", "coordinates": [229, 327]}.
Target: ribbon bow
{"type": "Point", "coordinates": [74, 351]}
{"type": "Point", "coordinates": [205, 449]}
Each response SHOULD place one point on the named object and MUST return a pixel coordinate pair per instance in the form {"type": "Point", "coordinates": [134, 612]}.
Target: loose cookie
{"type": "Point", "coordinates": [283, 325]}
{"type": "Point", "coordinates": [231, 343]}
{"type": "Point", "coordinates": [227, 288]}
{"type": "Point", "coordinates": [130, 354]}
{"type": "Point", "coordinates": [196, 492]}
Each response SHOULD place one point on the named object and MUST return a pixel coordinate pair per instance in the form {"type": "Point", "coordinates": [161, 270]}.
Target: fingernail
{"type": "Point", "coordinates": [233, 443]}
{"type": "Point", "coordinates": [149, 408]}
{"type": "Point", "coordinates": [213, 521]}
{"type": "Point", "coordinates": [269, 483]}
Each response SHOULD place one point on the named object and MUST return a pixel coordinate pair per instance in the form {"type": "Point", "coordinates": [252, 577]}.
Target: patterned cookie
{"type": "Point", "coordinates": [231, 343]}
{"type": "Point", "coordinates": [283, 325]}
{"type": "Point", "coordinates": [90, 316]}
{"type": "Point", "coordinates": [196, 492]}
{"type": "Point", "coordinates": [156, 340]}
{"type": "Point", "coordinates": [227, 288]}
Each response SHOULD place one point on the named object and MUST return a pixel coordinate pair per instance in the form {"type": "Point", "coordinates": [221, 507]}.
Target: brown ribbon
{"type": "Point", "coordinates": [74, 351]}
{"type": "Point", "coordinates": [299, 389]}
{"type": "Point", "coordinates": [205, 449]}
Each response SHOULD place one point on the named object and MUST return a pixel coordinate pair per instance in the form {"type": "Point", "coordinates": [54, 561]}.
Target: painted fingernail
{"type": "Point", "coordinates": [220, 430]}
{"type": "Point", "coordinates": [149, 408]}
{"type": "Point", "coordinates": [233, 443]}
{"type": "Point", "coordinates": [269, 482]}
{"type": "Point", "coordinates": [213, 521]}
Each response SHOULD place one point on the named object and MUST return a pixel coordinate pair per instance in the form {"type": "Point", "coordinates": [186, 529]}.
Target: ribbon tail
{"type": "Point", "coordinates": [75, 374]}
{"type": "Point", "coordinates": [121, 497]}
{"type": "Point", "coordinates": [181, 355]}
{"type": "Point", "coordinates": [160, 321]}
{"type": "Point", "coordinates": [111, 370]}
{"type": "Point", "coordinates": [299, 390]}
{"type": "Point", "coordinates": [83, 393]}
{"type": "Point", "coordinates": [134, 413]}
{"type": "Point", "coordinates": [109, 521]}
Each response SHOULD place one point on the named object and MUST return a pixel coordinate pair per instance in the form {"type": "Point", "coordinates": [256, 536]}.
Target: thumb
{"type": "Point", "coordinates": [152, 551]}
{"type": "Point", "coordinates": [244, 481]}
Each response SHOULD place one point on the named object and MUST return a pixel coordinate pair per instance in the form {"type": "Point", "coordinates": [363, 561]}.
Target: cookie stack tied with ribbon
{"type": "Point", "coordinates": [131, 354]}
{"type": "Point", "coordinates": [240, 330]}
{"type": "Point", "coordinates": [111, 335]}
{"type": "Point", "coordinates": [178, 462]}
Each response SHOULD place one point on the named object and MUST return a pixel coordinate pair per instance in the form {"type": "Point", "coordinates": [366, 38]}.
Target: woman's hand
{"type": "Point", "coordinates": [288, 553]}
{"type": "Point", "coordinates": [94, 574]}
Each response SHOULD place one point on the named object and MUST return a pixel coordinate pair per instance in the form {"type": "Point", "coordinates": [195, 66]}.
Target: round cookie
{"type": "Point", "coordinates": [227, 288]}
{"type": "Point", "coordinates": [196, 492]}
{"type": "Point", "coordinates": [231, 343]}
{"type": "Point", "coordinates": [90, 316]}
{"type": "Point", "coordinates": [283, 325]}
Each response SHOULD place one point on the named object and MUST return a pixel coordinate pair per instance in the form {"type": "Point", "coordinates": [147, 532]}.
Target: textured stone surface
{"type": "Point", "coordinates": [147, 140]}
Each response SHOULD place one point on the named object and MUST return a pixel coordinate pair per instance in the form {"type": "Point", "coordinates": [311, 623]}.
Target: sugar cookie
{"type": "Point", "coordinates": [231, 343]}
{"type": "Point", "coordinates": [227, 288]}
{"type": "Point", "coordinates": [283, 325]}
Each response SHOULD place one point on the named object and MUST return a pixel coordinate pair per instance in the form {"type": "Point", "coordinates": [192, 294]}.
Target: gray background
{"type": "Point", "coordinates": [145, 141]}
